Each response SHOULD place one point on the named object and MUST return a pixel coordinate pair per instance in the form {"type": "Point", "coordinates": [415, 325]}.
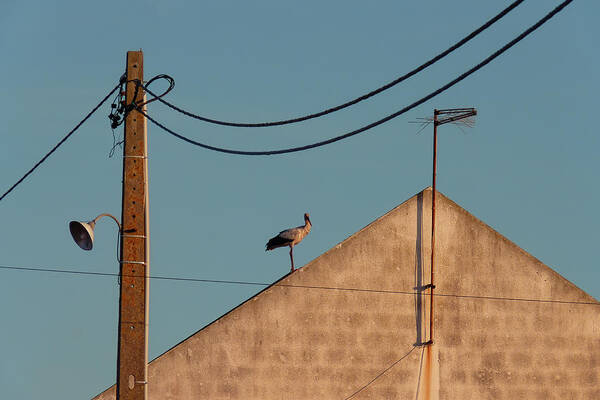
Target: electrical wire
{"type": "Point", "coordinates": [156, 97]}
{"type": "Point", "coordinates": [376, 123]}
{"type": "Point", "coordinates": [309, 146]}
{"type": "Point", "coordinates": [420, 371]}
{"type": "Point", "coordinates": [402, 78]}
{"type": "Point", "coordinates": [64, 139]}
{"type": "Point", "coordinates": [332, 288]}
{"type": "Point", "coordinates": [381, 374]}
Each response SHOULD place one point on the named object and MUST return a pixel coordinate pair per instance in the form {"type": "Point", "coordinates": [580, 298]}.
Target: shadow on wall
{"type": "Point", "coordinates": [419, 288]}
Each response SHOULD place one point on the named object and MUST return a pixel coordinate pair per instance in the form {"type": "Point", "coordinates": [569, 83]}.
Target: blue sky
{"type": "Point", "coordinates": [528, 168]}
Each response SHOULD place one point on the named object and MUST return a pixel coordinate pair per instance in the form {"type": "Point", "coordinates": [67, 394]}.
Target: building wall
{"type": "Point", "coordinates": [301, 339]}
{"type": "Point", "coordinates": [509, 349]}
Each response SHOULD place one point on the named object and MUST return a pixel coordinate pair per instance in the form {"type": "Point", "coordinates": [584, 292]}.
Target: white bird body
{"type": "Point", "coordinates": [290, 237]}
{"type": "Point", "coordinates": [294, 235]}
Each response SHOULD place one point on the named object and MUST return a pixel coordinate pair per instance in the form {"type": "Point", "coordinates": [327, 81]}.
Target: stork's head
{"type": "Point", "coordinates": [307, 218]}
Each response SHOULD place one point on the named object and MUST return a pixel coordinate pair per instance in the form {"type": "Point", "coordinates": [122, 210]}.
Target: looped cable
{"type": "Point", "coordinates": [138, 84]}
{"type": "Point", "coordinates": [120, 110]}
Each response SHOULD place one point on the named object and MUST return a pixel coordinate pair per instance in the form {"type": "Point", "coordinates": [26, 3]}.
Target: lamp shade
{"type": "Point", "coordinates": [83, 233]}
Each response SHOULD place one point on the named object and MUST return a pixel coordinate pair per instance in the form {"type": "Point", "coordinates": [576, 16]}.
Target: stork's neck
{"type": "Point", "coordinates": [307, 225]}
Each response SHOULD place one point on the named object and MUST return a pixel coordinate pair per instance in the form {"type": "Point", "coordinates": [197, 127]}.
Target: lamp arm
{"type": "Point", "coordinates": [108, 215]}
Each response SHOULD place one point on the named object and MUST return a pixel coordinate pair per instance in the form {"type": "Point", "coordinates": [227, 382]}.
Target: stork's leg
{"type": "Point", "coordinates": [292, 256]}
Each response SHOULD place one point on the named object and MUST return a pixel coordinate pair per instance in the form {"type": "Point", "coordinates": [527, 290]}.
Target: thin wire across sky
{"type": "Point", "coordinates": [277, 283]}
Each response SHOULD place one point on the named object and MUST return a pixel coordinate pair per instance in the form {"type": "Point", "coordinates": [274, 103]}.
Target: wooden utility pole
{"type": "Point", "coordinates": [132, 357]}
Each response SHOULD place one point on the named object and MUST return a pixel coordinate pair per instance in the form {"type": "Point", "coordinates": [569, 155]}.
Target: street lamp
{"type": "Point", "coordinates": [83, 232]}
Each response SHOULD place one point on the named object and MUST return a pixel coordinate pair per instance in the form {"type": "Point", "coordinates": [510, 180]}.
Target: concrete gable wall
{"type": "Point", "coordinates": [310, 343]}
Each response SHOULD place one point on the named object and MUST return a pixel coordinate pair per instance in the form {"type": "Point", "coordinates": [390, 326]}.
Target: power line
{"type": "Point", "coordinates": [182, 279]}
{"type": "Point", "coordinates": [376, 123]}
{"type": "Point", "coordinates": [316, 287]}
{"type": "Point", "coordinates": [381, 374]}
{"type": "Point", "coordinates": [324, 142]}
{"type": "Point", "coordinates": [60, 142]}
{"type": "Point", "coordinates": [420, 371]}
{"type": "Point", "coordinates": [418, 69]}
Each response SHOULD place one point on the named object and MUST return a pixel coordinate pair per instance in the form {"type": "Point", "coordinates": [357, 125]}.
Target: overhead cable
{"type": "Point", "coordinates": [315, 287]}
{"type": "Point", "coordinates": [380, 374]}
{"type": "Point", "coordinates": [60, 142]}
{"type": "Point", "coordinates": [420, 372]}
{"type": "Point", "coordinates": [376, 123]}
{"type": "Point", "coordinates": [398, 80]}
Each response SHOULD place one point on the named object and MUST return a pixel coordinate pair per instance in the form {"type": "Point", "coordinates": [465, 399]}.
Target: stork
{"type": "Point", "coordinates": [290, 237]}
